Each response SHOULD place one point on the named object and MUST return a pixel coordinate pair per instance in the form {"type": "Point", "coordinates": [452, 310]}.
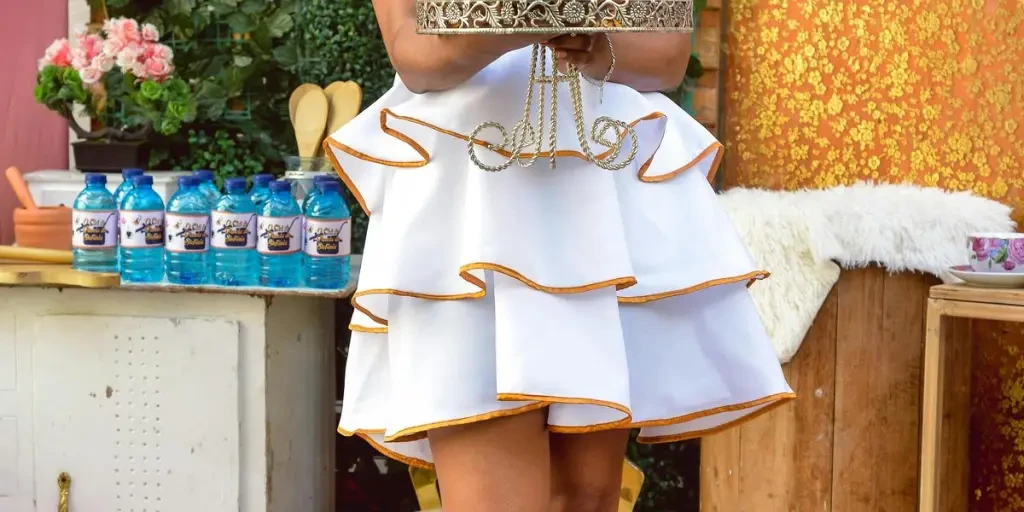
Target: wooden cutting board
{"type": "Point", "coordinates": [55, 275]}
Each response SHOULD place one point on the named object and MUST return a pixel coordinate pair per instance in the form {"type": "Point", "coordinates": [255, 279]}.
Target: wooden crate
{"type": "Point", "coordinates": [849, 442]}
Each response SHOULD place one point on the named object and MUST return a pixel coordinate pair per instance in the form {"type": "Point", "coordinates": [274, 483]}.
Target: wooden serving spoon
{"type": "Point", "coordinates": [20, 188]}
{"type": "Point", "coordinates": [345, 98]}
{"type": "Point", "coordinates": [297, 94]}
{"type": "Point", "coordinates": [310, 122]}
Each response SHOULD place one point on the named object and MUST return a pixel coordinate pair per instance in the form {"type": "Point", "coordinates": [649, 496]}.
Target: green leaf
{"type": "Point", "coordinates": [253, 6]}
{"type": "Point", "coordinates": [1001, 255]}
{"type": "Point", "coordinates": [211, 99]}
{"type": "Point", "coordinates": [287, 56]}
{"type": "Point", "coordinates": [242, 60]}
{"type": "Point", "coordinates": [180, 7]}
{"type": "Point", "coordinates": [280, 23]}
{"type": "Point", "coordinates": [240, 22]}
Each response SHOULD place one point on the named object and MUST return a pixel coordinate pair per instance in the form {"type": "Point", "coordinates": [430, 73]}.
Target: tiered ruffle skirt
{"type": "Point", "coordinates": [614, 299]}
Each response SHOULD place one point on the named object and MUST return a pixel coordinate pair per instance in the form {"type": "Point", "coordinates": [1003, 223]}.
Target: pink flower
{"type": "Point", "coordinates": [158, 51]}
{"type": "Point", "coordinates": [128, 55]}
{"type": "Point", "coordinates": [150, 33]}
{"type": "Point", "coordinates": [980, 248]}
{"type": "Point", "coordinates": [79, 59]}
{"type": "Point", "coordinates": [90, 75]}
{"type": "Point", "coordinates": [90, 44]}
{"type": "Point", "coordinates": [123, 29]}
{"type": "Point", "coordinates": [57, 54]}
{"type": "Point", "coordinates": [1015, 251]}
{"type": "Point", "coordinates": [1009, 265]}
{"type": "Point", "coordinates": [157, 69]}
{"type": "Point", "coordinates": [103, 62]}
{"type": "Point", "coordinates": [114, 45]}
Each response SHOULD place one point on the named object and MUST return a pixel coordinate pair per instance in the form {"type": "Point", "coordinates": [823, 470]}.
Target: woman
{"type": "Point", "coordinates": [512, 327]}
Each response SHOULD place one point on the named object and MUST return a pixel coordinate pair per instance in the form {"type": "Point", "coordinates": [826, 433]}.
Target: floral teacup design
{"type": "Point", "coordinates": [996, 252]}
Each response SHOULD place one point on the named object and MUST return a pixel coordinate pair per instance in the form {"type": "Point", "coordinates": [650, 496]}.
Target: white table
{"type": "Point", "coordinates": [167, 398]}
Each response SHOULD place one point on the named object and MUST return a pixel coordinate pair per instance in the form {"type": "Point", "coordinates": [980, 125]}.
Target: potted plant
{"type": "Point", "coordinates": [122, 77]}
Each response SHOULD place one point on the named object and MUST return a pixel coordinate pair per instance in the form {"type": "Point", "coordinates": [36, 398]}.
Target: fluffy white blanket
{"type": "Point", "coordinates": [804, 237]}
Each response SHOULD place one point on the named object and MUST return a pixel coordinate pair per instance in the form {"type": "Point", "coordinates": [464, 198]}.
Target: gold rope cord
{"type": "Point", "coordinates": [524, 134]}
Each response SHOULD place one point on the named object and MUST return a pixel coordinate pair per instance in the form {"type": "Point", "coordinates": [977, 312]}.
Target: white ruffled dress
{"type": "Point", "coordinates": [614, 299]}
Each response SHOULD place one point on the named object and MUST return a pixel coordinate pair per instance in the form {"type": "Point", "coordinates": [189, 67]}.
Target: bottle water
{"type": "Point", "coordinates": [94, 220]}
{"type": "Point", "coordinates": [122, 191]}
{"type": "Point", "coordinates": [126, 185]}
{"type": "Point", "coordinates": [279, 227]}
{"type": "Point", "coordinates": [207, 185]}
{"type": "Point", "coordinates": [317, 180]}
{"type": "Point", "coordinates": [260, 191]}
{"type": "Point", "coordinates": [234, 237]}
{"type": "Point", "coordinates": [188, 227]}
{"type": "Point", "coordinates": [142, 233]}
{"type": "Point", "coordinates": [328, 238]}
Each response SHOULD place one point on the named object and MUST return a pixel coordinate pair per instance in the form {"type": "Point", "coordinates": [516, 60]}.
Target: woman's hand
{"type": "Point", "coordinates": [589, 53]}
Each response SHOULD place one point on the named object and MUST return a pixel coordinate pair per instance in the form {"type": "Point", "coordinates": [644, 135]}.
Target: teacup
{"type": "Point", "coordinates": [996, 252]}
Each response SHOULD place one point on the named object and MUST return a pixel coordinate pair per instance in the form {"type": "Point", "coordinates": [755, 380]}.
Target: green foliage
{"type": "Point", "coordinates": [671, 473]}
{"type": "Point", "coordinates": [339, 40]}
{"type": "Point", "coordinates": [166, 105]}
{"type": "Point", "coordinates": [58, 89]}
{"type": "Point", "coordinates": [228, 153]}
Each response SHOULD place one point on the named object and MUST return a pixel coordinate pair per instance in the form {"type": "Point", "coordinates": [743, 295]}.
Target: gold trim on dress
{"type": "Point", "coordinates": [330, 143]}
{"type": "Point", "coordinates": [779, 399]}
{"type": "Point", "coordinates": [750, 277]}
{"type": "Point", "coordinates": [416, 433]}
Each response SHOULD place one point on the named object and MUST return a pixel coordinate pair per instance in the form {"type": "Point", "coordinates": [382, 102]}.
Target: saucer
{"type": "Point", "coordinates": [987, 279]}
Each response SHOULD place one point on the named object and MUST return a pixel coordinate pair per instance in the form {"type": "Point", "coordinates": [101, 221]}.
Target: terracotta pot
{"type": "Point", "coordinates": [43, 228]}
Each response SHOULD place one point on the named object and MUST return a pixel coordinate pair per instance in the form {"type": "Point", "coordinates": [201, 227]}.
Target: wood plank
{"type": "Point", "coordinates": [962, 292]}
{"type": "Point", "coordinates": [857, 428]}
{"type": "Point", "coordinates": [720, 468]}
{"type": "Point", "coordinates": [896, 388]}
{"type": "Point", "coordinates": [954, 451]}
{"type": "Point", "coordinates": [705, 105]}
{"type": "Point", "coordinates": [783, 460]}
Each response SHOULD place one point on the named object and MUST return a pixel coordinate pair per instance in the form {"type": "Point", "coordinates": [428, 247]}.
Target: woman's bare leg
{"type": "Point", "coordinates": [586, 471]}
{"type": "Point", "coordinates": [499, 465]}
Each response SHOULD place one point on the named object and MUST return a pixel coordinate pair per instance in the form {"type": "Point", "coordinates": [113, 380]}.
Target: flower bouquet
{"type": "Point", "coordinates": [121, 77]}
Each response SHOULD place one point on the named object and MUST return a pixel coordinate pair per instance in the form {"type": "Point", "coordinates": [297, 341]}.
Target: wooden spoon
{"type": "Point", "coordinates": [345, 99]}
{"type": "Point", "coordinates": [297, 94]}
{"type": "Point", "coordinates": [310, 121]}
{"type": "Point", "coordinates": [20, 188]}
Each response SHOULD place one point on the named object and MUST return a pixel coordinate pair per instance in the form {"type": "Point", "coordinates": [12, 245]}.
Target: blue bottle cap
{"type": "Point", "coordinates": [131, 173]}
{"type": "Point", "coordinates": [186, 181]}
{"type": "Point", "coordinates": [235, 185]}
{"type": "Point", "coordinates": [280, 186]}
{"type": "Point", "coordinates": [262, 179]}
{"type": "Point", "coordinates": [93, 178]}
{"type": "Point", "coordinates": [203, 175]}
{"type": "Point", "coordinates": [330, 186]}
{"type": "Point", "coordinates": [142, 179]}
{"type": "Point", "coordinates": [322, 178]}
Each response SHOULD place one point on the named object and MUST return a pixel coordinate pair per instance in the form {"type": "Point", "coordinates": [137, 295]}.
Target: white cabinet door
{"type": "Point", "coordinates": [141, 412]}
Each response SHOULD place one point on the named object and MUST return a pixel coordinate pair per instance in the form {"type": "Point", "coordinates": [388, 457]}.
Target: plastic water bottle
{"type": "Point", "coordinates": [142, 233]}
{"type": "Point", "coordinates": [94, 221]}
{"type": "Point", "coordinates": [317, 180]}
{"type": "Point", "coordinates": [234, 237]}
{"type": "Point", "coordinates": [207, 186]}
{"type": "Point", "coordinates": [188, 227]}
{"type": "Point", "coordinates": [260, 191]}
{"type": "Point", "coordinates": [328, 236]}
{"type": "Point", "coordinates": [126, 185]}
{"type": "Point", "coordinates": [122, 191]}
{"type": "Point", "coordinates": [279, 227]}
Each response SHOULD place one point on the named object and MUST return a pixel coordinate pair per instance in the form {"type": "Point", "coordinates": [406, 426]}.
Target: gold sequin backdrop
{"type": "Point", "coordinates": [931, 92]}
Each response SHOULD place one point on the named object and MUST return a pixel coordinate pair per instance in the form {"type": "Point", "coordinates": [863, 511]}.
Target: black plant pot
{"type": "Point", "coordinates": [110, 156]}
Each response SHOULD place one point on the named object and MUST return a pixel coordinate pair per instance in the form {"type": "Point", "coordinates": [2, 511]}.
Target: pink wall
{"type": "Point", "coordinates": [31, 137]}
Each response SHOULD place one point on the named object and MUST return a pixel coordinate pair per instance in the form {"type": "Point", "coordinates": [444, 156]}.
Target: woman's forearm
{"type": "Point", "coordinates": [647, 62]}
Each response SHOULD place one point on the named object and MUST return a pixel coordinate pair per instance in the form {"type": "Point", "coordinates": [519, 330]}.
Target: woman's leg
{"type": "Point", "coordinates": [586, 471]}
{"type": "Point", "coordinates": [499, 465]}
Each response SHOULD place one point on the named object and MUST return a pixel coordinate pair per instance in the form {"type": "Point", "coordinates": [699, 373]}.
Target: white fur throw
{"type": "Point", "coordinates": [804, 237]}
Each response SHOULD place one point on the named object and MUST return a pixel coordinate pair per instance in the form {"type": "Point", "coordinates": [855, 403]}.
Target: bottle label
{"type": "Point", "coordinates": [140, 229]}
{"type": "Point", "coordinates": [94, 229]}
{"type": "Point", "coordinates": [233, 230]}
{"type": "Point", "coordinates": [279, 235]}
{"type": "Point", "coordinates": [328, 238]}
{"type": "Point", "coordinates": [187, 233]}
